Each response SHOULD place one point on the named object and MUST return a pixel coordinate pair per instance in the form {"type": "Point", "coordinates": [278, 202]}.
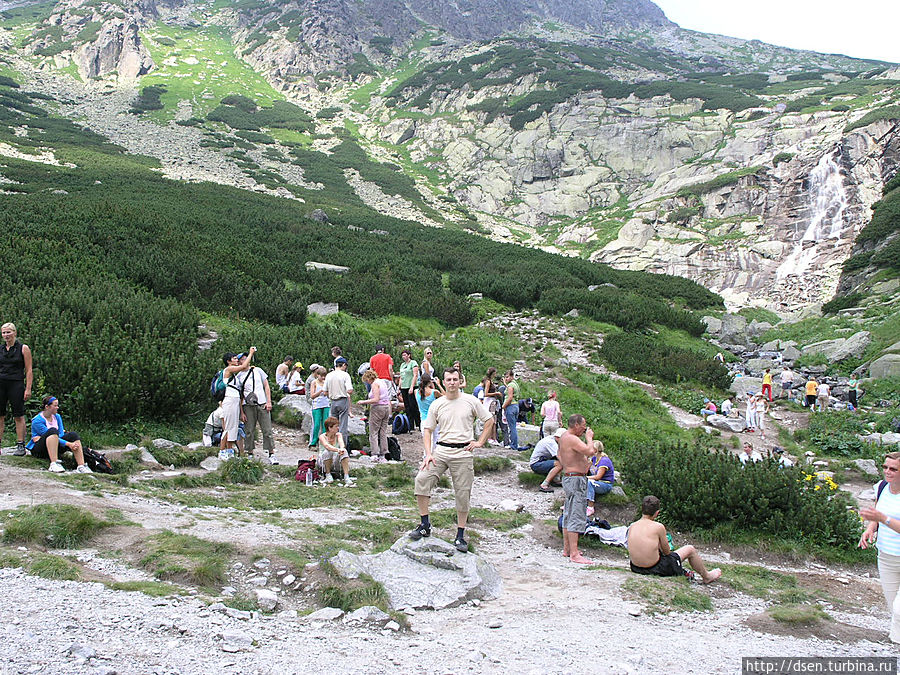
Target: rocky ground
{"type": "Point", "coordinates": [85, 627]}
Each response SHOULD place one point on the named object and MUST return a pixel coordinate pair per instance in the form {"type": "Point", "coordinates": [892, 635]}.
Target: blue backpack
{"type": "Point", "coordinates": [400, 425]}
{"type": "Point", "coordinates": [218, 385]}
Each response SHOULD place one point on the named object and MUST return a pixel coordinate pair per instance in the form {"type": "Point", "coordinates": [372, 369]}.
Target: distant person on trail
{"type": "Point", "coordinates": [256, 408]}
{"type": "Point", "coordinates": [379, 402]}
{"type": "Point", "coordinates": [455, 413]}
{"type": "Point", "coordinates": [340, 386]}
{"type": "Point", "coordinates": [550, 415]}
{"type": "Point", "coordinates": [49, 438]}
{"type": "Point", "coordinates": [462, 378]}
{"type": "Point", "coordinates": [16, 378]}
{"type": "Point", "coordinates": [231, 404]}
{"type": "Point", "coordinates": [427, 365]}
{"type": "Point", "coordinates": [648, 548]}
{"type": "Point", "coordinates": [823, 396]}
{"type": "Point", "coordinates": [544, 459]}
{"type": "Point", "coordinates": [511, 409]}
{"type": "Point", "coordinates": [787, 382]}
{"type": "Point", "coordinates": [762, 409]}
{"type": "Point", "coordinates": [750, 414]}
{"type": "Point", "coordinates": [767, 384]}
{"type": "Point", "coordinates": [748, 454]}
{"type": "Point", "coordinates": [283, 373]}
{"type": "Point", "coordinates": [409, 380]}
{"type": "Point", "coordinates": [574, 456]}
{"type": "Point", "coordinates": [812, 388]}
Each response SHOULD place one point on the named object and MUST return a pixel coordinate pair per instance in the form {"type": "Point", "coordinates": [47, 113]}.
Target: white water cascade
{"type": "Point", "coordinates": [829, 203]}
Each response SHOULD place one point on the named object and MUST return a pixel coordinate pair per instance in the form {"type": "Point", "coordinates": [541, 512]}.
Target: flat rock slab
{"type": "Point", "coordinates": [735, 424]}
{"type": "Point", "coordinates": [429, 573]}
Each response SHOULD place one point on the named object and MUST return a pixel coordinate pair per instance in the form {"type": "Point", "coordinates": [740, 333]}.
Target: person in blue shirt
{"type": "Point", "coordinates": [49, 438]}
{"type": "Point", "coordinates": [601, 477]}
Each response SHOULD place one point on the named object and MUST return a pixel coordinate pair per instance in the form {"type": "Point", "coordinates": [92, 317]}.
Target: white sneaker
{"type": "Point", "coordinates": [329, 478]}
{"type": "Point", "coordinates": [348, 482]}
{"type": "Point", "coordinates": [84, 468]}
{"type": "Point", "coordinates": [273, 460]}
{"type": "Point", "coordinates": [56, 467]}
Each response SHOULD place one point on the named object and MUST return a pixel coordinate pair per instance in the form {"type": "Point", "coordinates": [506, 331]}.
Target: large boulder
{"type": "Point", "coordinates": [743, 385]}
{"type": "Point", "coordinates": [758, 366]}
{"type": "Point", "coordinates": [429, 573]}
{"type": "Point", "coordinates": [529, 434]}
{"type": "Point", "coordinates": [885, 366]}
{"type": "Point", "coordinates": [295, 411]}
{"type": "Point", "coordinates": [735, 424]}
{"type": "Point", "coordinates": [713, 325]}
{"type": "Point", "coordinates": [757, 328]}
{"type": "Point", "coordinates": [326, 267]}
{"type": "Point", "coordinates": [840, 348]}
{"type": "Point", "coordinates": [791, 353]}
{"type": "Point", "coordinates": [323, 308]}
{"type": "Point", "coordinates": [734, 329]}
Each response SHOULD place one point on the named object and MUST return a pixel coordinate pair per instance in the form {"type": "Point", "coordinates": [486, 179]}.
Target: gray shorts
{"type": "Point", "coordinates": [575, 509]}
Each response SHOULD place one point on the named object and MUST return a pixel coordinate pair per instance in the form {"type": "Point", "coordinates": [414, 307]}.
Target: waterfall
{"type": "Point", "coordinates": [828, 205]}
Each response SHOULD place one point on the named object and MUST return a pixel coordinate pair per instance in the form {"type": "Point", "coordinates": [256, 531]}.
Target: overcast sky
{"type": "Point", "coordinates": [863, 28]}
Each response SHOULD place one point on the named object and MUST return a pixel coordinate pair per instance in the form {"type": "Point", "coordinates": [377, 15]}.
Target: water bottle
{"type": "Point", "coordinates": [309, 478]}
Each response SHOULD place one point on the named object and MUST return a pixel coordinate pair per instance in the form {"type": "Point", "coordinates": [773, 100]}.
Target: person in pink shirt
{"type": "Point", "coordinates": [550, 414]}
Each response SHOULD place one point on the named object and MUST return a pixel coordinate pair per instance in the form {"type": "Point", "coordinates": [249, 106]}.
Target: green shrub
{"type": "Point", "coordinates": [241, 470]}
{"type": "Point", "coordinates": [701, 490]}
{"type": "Point", "coordinates": [682, 214]}
{"type": "Point", "coordinates": [54, 567]}
{"type": "Point", "coordinates": [890, 112]}
{"type": "Point", "coordinates": [835, 433]}
{"type": "Point", "coordinates": [179, 456]}
{"type": "Point", "coordinates": [636, 355]}
{"type": "Point", "coordinates": [149, 99]}
{"type": "Point", "coordinates": [840, 302]}
{"type": "Point", "coordinates": [724, 180]}
{"type": "Point", "coordinates": [52, 525]}
{"type": "Point", "coordinates": [782, 157]}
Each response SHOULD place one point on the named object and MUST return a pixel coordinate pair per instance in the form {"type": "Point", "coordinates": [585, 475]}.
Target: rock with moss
{"type": "Point", "coordinates": [429, 573]}
{"type": "Point", "coordinates": [294, 411]}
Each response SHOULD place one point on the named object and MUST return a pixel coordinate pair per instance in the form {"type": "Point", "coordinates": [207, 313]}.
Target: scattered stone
{"type": "Point", "coordinates": [319, 216]}
{"type": "Point", "coordinates": [161, 443]}
{"type": "Point", "coordinates": [392, 625]}
{"type": "Point", "coordinates": [240, 614]}
{"type": "Point", "coordinates": [259, 581]}
{"type": "Point", "coordinates": [326, 614]}
{"type": "Point", "coordinates": [368, 614]}
{"type": "Point", "coordinates": [426, 573]}
{"type": "Point", "coordinates": [510, 505]}
{"type": "Point", "coordinates": [495, 623]}
{"type": "Point", "coordinates": [866, 466]}
{"type": "Point", "coordinates": [262, 563]}
{"type": "Point", "coordinates": [211, 464]}
{"type": "Point", "coordinates": [288, 579]}
{"type": "Point", "coordinates": [233, 642]}
{"type": "Point", "coordinates": [475, 296]}
{"type": "Point", "coordinates": [323, 308]}
{"type": "Point", "coordinates": [634, 610]}
{"type": "Point", "coordinates": [733, 424]}
{"type": "Point", "coordinates": [266, 599]}
{"type": "Point", "coordinates": [84, 652]}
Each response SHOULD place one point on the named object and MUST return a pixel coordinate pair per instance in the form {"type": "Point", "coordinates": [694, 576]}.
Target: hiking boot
{"type": "Point", "coordinates": [461, 545]}
{"type": "Point", "coordinates": [20, 450]}
{"type": "Point", "coordinates": [421, 530]}
{"type": "Point", "coordinates": [84, 468]}
{"type": "Point", "coordinates": [56, 467]}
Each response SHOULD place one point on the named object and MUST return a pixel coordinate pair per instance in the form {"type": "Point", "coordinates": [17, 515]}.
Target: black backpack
{"type": "Point", "coordinates": [97, 461]}
{"type": "Point", "coordinates": [393, 452]}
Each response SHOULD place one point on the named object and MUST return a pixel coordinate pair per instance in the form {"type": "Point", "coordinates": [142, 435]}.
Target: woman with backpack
{"type": "Point", "coordinates": [409, 380]}
{"type": "Point", "coordinates": [49, 438]}
{"type": "Point", "coordinates": [231, 404]}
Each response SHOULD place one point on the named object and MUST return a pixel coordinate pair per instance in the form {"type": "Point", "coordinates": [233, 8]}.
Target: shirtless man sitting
{"type": "Point", "coordinates": [574, 456]}
{"type": "Point", "coordinates": [649, 550]}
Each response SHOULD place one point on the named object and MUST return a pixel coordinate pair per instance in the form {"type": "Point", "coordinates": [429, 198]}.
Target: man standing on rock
{"type": "Point", "coordinates": [340, 386]}
{"type": "Point", "coordinates": [573, 455]}
{"type": "Point", "coordinates": [455, 412]}
{"type": "Point", "coordinates": [649, 549]}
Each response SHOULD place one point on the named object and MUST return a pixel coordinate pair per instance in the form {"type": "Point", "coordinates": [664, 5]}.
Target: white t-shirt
{"type": "Point", "coordinates": [889, 504]}
{"type": "Point", "coordinates": [296, 380]}
{"type": "Point", "coordinates": [338, 384]}
{"type": "Point", "coordinates": [727, 405]}
{"type": "Point", "coordinates": [254, 380]}
{"type": "Point", "coordinates": [823, 391]}
{"type": "Point", "coordinates": [753, 457]}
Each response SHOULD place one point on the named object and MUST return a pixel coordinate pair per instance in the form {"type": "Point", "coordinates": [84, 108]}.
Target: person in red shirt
{"type": "Point", "coordinates": [382, 364]}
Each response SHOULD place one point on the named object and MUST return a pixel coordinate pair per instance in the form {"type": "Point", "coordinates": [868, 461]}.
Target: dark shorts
{"type": "Point", "coordinates": [40, 446]}
{"type": "Point", "coordinates": [13, 393]}
{"type": "Point", "coordinates": [810, 400]}
{"type": "Point", "coordinates": [666, 566]}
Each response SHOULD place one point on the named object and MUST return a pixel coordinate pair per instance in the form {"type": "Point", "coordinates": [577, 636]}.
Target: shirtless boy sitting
{"type": "Point", "coordinates": [649, 550]}
{"type": "Point", "coordinates": [573, 454]}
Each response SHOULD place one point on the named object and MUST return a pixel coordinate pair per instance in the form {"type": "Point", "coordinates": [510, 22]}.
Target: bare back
{"type": "Point", "coordinates": [573, 454]}
{"type": "Point", "coordinates": [646, 541]}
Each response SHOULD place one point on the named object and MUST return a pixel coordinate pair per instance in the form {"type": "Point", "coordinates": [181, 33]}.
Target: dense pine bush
{"type": "Point", "coordinates": [700, 490]}
{"type": "Point", "coordinates": [636, 355]}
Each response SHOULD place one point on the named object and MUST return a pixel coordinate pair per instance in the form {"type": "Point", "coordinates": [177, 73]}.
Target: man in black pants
{"type": "Point", "coordinates": [15, 382]}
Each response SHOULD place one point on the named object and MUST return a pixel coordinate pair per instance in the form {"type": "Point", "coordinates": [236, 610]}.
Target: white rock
{"type": "Point", "coordinates": [392, 625]}
{"type": "Point", "coordinates": [367, 614]}
{"type": "Point", "coordinates": [266, 599]}
{"type": "Point", "coordinates": [326, 614]}
{"type": "Point", "coordinates": [288, 579]}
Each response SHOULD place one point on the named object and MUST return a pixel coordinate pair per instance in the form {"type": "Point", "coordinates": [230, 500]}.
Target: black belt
{"type": "Point", "coordinates": [454, 445]}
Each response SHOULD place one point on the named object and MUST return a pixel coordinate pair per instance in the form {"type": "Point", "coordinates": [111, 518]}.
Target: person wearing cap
{"type": "Point", "coordinates": [543, 459]}
{"type": "Point", "coordinates": [256, 408]}
{"type": "Point", "coordinates": [296, 384]}
{"type": "Point", "coordinates": [709, 408]}
{"type": "Point", "coordinates": [49, 437]}
{"type": "Point", "coordinates": [382, 364]}
{"type": "Point", "coordinates": [340, 387]}
{"type": "Point", "coordinates": [283, 373]}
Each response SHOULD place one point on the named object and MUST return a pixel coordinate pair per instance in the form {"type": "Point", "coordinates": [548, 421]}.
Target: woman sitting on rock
{"type": "Point", "coordinates": [48, 436]}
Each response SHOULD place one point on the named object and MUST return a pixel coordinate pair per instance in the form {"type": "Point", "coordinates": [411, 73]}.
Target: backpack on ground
{"type": "Point", "coordinates": [400, 425]}
{"type": "Point", "coordinates": [97, 461]}
{"type": "Point", "coordinates": [305, 466]}
{"type": "Point", "coordinates": [393, 449]}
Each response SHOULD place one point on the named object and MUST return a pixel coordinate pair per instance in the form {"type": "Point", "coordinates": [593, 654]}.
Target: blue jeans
{"type": "Point", "coordinates": [543, 467]}
{"type": "Point", "coordinates": [512, 416]}
{"type": "Point", "coordinates": [597, 487]}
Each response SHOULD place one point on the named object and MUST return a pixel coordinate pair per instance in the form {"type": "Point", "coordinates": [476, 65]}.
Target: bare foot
{"type": "Point", "coordinates": [581, 560]}
{"type": "Point", "coordinates": [712, 576]}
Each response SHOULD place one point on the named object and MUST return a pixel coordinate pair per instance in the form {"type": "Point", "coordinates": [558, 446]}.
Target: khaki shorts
{"type": "Point", "coordinates": [462, 475]}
